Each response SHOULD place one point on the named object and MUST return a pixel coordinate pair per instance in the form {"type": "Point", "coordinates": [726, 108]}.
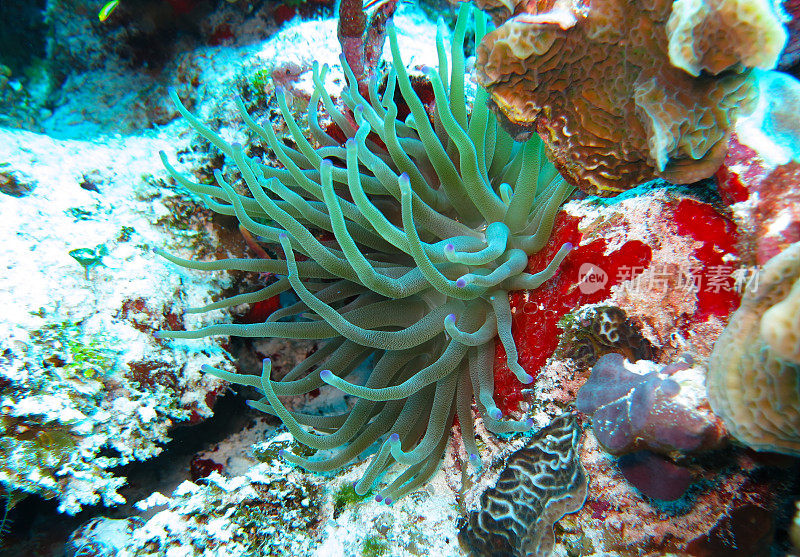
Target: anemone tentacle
{"type": "Point", "coordinates": [432, 222]}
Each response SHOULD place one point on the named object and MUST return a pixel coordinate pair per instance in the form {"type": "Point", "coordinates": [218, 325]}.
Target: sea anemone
{"type": "Point", "coordinates": [412, 234]}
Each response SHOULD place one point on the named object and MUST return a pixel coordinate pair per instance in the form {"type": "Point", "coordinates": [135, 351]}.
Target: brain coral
{"type": "Point", "coordinates": [754, 370]}
{"type": "Point", "coordinates": [780, 326]}
{"type": "Point", "coordinates": [539, 485]}
{"type": "Point", "coordinates": [622, 92]}
{"type": "Point", "coordinates": [401, 246]}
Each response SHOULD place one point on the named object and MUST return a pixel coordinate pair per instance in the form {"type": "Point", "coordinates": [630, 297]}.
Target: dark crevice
{"type": "Point", "coordinates": [23, 36]}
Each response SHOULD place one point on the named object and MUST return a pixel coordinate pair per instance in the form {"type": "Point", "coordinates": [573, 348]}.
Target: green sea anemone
{"type": "Point", "coordinates": [412, 234]}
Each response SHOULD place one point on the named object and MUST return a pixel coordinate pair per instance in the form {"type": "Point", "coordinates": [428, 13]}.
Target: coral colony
{"type": "Point", "coordinates": [443, 218]}
{"type": "Point", "coordinates": [675, 92]}
{"type": "Point", "coordinates": [754, 371]}
{"type": "Point", "coordinates": [413, 231]}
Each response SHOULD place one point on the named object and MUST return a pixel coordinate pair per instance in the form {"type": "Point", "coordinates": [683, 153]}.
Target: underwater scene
{"type": "Point", "coordinates": [491, 278]}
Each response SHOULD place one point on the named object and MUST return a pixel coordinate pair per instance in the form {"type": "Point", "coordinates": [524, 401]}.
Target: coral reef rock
{"type": "Point", "coordinates": [540, 484]}
{"type": "Point", "coordinates": [615, 113]}
{"type": "Point", "coordinates": [84, 387]}
{"type": "Point", "coordinates": [762, 193]}
{"type": "Point", "coordinates": [754, 370]}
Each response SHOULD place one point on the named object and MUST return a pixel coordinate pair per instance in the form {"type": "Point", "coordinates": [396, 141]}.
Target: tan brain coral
{"type": "Point", "coordinates": [609, 84]}
{"type": "Point", "coordinates": [780, 326]}
{"type": "Point", "coordinates": [714, 35]}
{"type": "Point", "coordinates": [754, 370]}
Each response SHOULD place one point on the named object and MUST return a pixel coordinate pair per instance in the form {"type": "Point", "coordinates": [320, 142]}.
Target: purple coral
{"type": "Point", "coordinates": [654, 475]}
{"type": "Point", "coordinates": [632, 412]}
{"type": "Point", "coordinates": [639, 415]}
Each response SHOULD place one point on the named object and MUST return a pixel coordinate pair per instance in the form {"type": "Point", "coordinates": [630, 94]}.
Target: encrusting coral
{"type": "Point", "coordinates": [754, 370]}
{"type": "Point", "coordinates": [593, 331]}
{"type": "Point", "coordinates": [622, 92]}
{"type": "Point", "coordinates": [433, 224]}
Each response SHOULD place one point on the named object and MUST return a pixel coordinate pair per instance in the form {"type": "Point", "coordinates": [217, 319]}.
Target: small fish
{"type": "Point", "coordinates": [106, 10]}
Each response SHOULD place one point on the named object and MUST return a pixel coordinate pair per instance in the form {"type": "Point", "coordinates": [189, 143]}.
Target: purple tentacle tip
{"type": "Point", "coordinates": [404, 176]}
{"type": "Point", "coordinates": [379, 497]}
{"type": "Point", "coordinates": [350, 142]}
{"type": "Point", "coordinates": [495, 413]}
{"type": "Point", "coordinates": [451, 318]}
{"type": "Point", "coordinates": [529, 423]}
{"type": "Point", "coordinates": [449, 248]}
{"type": "Point", "coordinates": [527, 379]}
{"type": "Point", "coordinates": [568, 246]}
{"type": "Point", "coordinates": [461, 283]}
{"type": "Point", "coordinates": [325, 374]}
{"type": "Point", "coordinates": [388, 500]}
{"type": "Point", "coordinates": [281, 452]}
{"type": "Point", "coordinates": [394, 438]}
{"type": "Point", "coordinates": [282, 236]}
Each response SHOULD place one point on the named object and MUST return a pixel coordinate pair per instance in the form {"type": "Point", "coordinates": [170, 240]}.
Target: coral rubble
{"type": "Point", "coordinates": [225, 517]}
{"type": "Point", "coordinates": [84, 386]}
{"type": "Point", "coordinates": [622, 92]}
